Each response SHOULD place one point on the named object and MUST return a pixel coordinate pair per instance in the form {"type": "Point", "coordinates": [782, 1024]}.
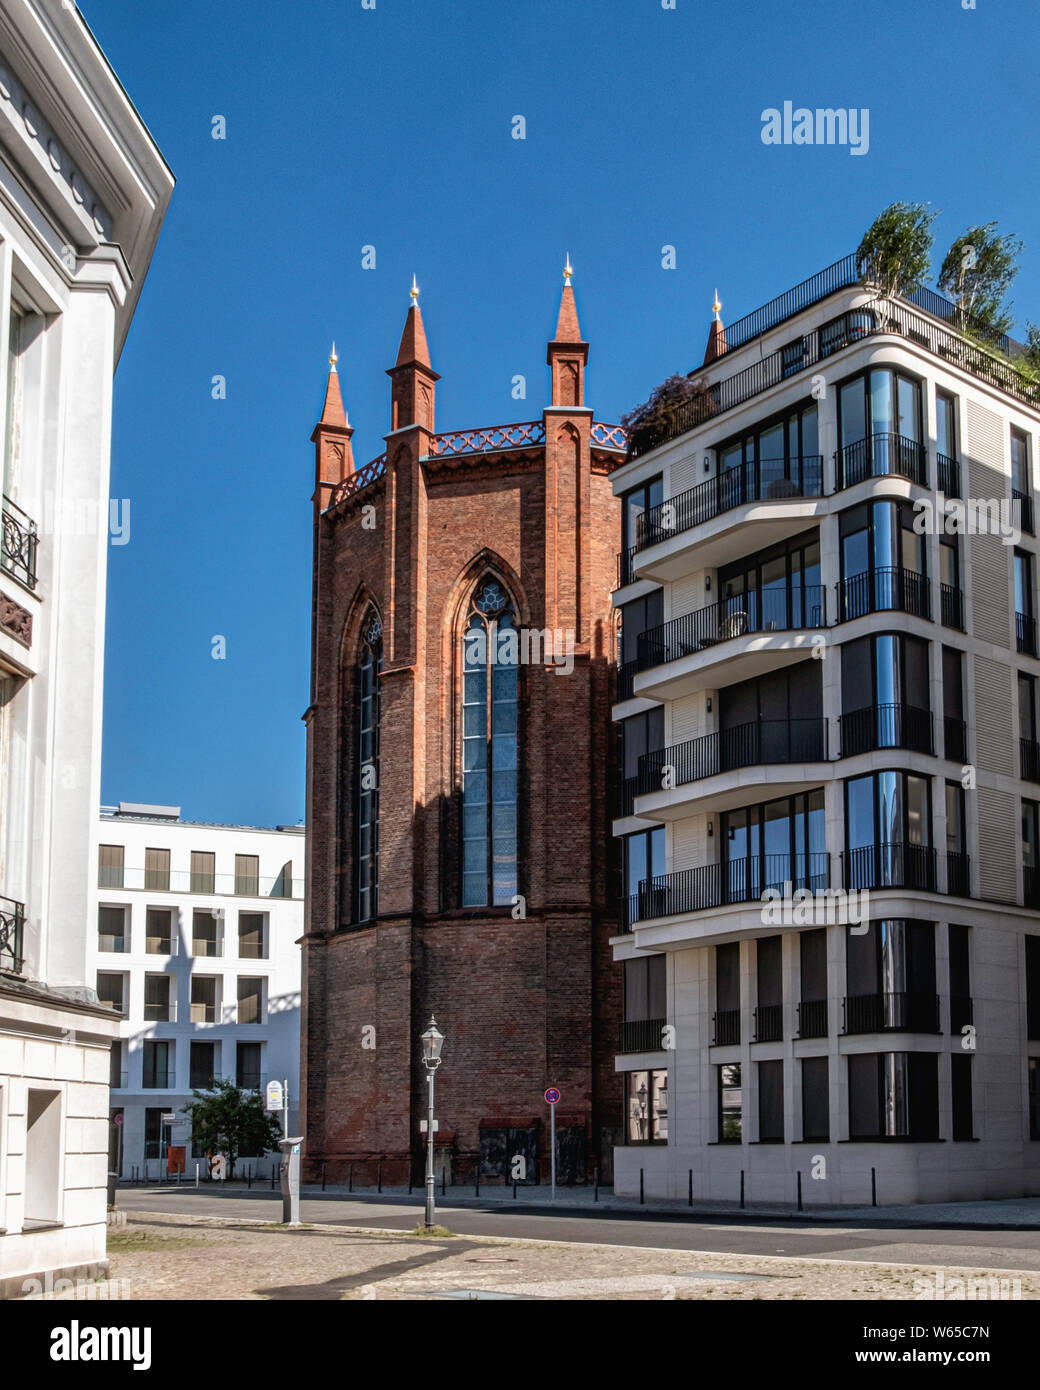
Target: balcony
{"type": "Point", "coordinates": [626, 674]}
{"type": "Point", "coordinates": [12, 932]}
{"type": "Point", "coordinates": [626, 797]}
{"type": "Point", "coordinates": [769, 1023]}
{"type": "Point", "coordinates": [736, 881]}
{"type": "Point", "coordinates": [955, 739]}
{"type": "Point", "coordinates": [1025, 634]}
{"type": "Point", "coordinates": [884, 590]}
{"type": "Point", "coordinates": [787, 609]}
{"type": "Point", "coordinates": [764, 480]}
{"type": "Point", "coordinates": [812, 1018]}
{"type": "Point", "coordinates": [881, 456]}
{"type": "Point", "coordinates": [891, 864]}
{"type": "Point", "coordinates": [1029, 757]}
{"type": "Point", "coordinates": [19, 544]}
{"type": "Point", "coordinates": [625, 567]}
{"type": "Point", "coordinates": [905, 1012]}
{"type": "Point", "coordinates": [760, 743]}
{"type": "Point", "coordinates": [951, 607]}
{"type": "Point", "coordinates": [958, 874]}
{"type": "Point", "coordinates": [949, 471]}
{"type": "Point", "coordinates": [641, 1035]}
{"type": "Point", "coordinates": [726, 1028]}
{"type": "Point", "coordinates": [886, 726]}
{"type": "Point", "coordinates": [1024, 512]}
{"type": "Point", "coordinates": [159, 1079]}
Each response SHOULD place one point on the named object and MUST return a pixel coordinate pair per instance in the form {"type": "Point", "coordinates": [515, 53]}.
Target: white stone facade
{"type": "Point", "coordinates": [206, 920]}
{"type": "Point", "coordinates": [970, 1052]}
{"type": "Point", "coordinates": [83, 192]}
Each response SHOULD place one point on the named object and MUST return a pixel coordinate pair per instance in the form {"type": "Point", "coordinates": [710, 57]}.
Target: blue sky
{"type": "Point", "coordinates": [392, 127]}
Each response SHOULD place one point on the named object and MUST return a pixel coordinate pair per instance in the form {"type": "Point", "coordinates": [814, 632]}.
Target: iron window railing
{"type": "Point", "coordinates": [955, 739]}
{"type": "Point", "coordinates": [884, 589]}
{"type": "Point", "coordinates": [891, 864]}
{"type": "Point", "coordinates": [735, 881]}
{"type": "Point", "coordinates": [626, 796]}
{"type": "Point", "coordinates": [641, 1035]}
{"type": "Point", "coordinates": [1025, 634]}
{"type": "Point", "coordinates": [1025, 511]}
{"type": "Point", "coordinates": [1029, 755]}
{"type": "Point", "coordinates": [949, 475]}
{"type": "Point", "coordinates": [902, 1011]}
{"type": "Point", "coordinates": [762, 480]}
{"type": "Point", "coordinates": [625, 571]}
{"type": "Point", "coordinates": [881, 455]}
{"type": "Point", "coordinates": [19, 545]}
{"type": "Point", "coordinates": [951, 606]}
{"type": "Point", "coordinates": [760, 742]}
{"type": "Point", "coordinates": [886, 726]}
{"type": "Point", "coordinates": [958, 874]}
{"type": "Point", "coordinates": [626, 674]}
{"type": "Point", "coordinates": [726, 1027]}
{"type": "Point", "coordinates": [791, 608]}
{"type": "Point", "coordinates": [12, 933]}
{"type": "Point", "coordinates": [812, 1018]}
{"type": "Point", "coordinates": [769, 1023]}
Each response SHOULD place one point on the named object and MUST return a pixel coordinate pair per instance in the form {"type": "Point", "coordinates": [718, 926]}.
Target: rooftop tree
{"type": "Point", "coordinates": [895, 254]}
{"type": "Point", "coordinates": [977, 273]}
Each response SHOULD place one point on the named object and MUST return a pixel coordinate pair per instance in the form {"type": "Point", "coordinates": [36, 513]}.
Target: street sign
{"type": "Point", "coordinates": [169, 1118]}
{"type": "Point", "coordinates": [274, 1096]}
{"type": "Point", "coordinates": [552, 1095]}
{"type": "Point", "coordinates": [118, 1120]}
{"type": "Point", "coordinates": [424, 1126]}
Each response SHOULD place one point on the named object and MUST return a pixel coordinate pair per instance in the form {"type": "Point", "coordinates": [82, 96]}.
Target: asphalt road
{"type": "Point", "coordinates": [987, 1249]}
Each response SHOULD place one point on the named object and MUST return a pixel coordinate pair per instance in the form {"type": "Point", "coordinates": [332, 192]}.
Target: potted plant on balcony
{"type": "Point", "coordinates": [676, 405]}
{"type": "Point", "coordinates": [894, 256]}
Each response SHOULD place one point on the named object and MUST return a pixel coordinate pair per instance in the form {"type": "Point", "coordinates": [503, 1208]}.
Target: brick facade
{"type": "Point", "coordinates": [525, 1001]}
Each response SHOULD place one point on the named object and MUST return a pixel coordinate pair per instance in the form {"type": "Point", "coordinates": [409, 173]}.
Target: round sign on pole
{"type": "Point", "coordinates": [552, 1095]}
{"type": "Point", "coordinates": [118, 1120]}
{"type": "Point", "coordinates": [274, 1099]}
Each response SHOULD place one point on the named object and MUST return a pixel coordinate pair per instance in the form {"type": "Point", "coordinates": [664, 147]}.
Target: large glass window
{"type": "Point", "coordinates": [768, 845]}
{"type": "Point", "coordinates": [1020, 462]}
{"type": "Point", "coordinates": [776, 589]}
{"type": "Point", "coordinates": [771, 1102]}
{"type": "Point", "coordinates": [634, 504]}
{"type": "Point", "coordinates": [489, 749]}
{"type": "Point", "coordinates": [815, 1099]}
{"type": "Point", "coordinates": [646, 1104]}
{"type": "Point", "coordinates": [893, 1095]}
{"type": "Point", "coordinates": [731, 1103]}
{"type": "Point", "coordinates": [880, 427]}
{"type": "Point", "coordinates": [780, 459]}
{"type": "Point", "coordinates": [366, 783]}
{"type": "Point", "coordinates": [946, 425]}
{"type": "Point", "coordinates": [888, 831]}
{"type": "Point", "coordinates": [885, 694]}
{"type": "Point", "coordinates": [883, 561]}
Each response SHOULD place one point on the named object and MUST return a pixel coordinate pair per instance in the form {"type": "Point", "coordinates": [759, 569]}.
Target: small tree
{"type": "Point", "coordinates": [227, 1120]}
{"type": "Point", "coordinates": [677, 403]}
{"type": "Point", "coordinates": [978, 272]}
{"type": "Point", "coordinates": [895, 254]}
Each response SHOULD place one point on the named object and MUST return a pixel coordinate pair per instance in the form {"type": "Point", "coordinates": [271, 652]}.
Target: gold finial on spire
{"type": "Point", "coordinates": [717, 306]}
{"type": "Point", "coordinates": [333, 359]}
{"type": "Point", "coordinates": [413, 293]}
{"type": "Point", "coordinates": [568, 270]}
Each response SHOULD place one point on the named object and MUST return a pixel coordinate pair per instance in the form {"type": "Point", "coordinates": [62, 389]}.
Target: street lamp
{"type": "Point", "coordinates": [432, 1042]}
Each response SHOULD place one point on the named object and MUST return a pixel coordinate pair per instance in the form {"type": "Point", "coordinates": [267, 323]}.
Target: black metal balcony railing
{"type": "Point", "coordinates": [1025, 634]}
{"type": "Point", "coordinates": [904, 1012]}
{"type": "Point", "coordinates": [626, 796]}
{"type": "Point", "coordinates": [885, 589]}
{"type": "Point", "coordinates": [886, 726]}
{"type": "Point", "coordinates": [951, 606]}
{"type": "Point", "coordinates": [880, 456]}
{"type": "Point", "coordinates": [628, 912]}
{"type": "Point", "coordinates": [160, 1012]}
{"type": "Point", "coordinates": [726, 1026]}
{"type": "Point", "coordinates": [891, 864]}
{"type": "Point", "coordinates": [763, 741]}
{"type": "Point", "coordinates": [791, 608]}
{"type": "Point", "coordinates": [159, 1078]}
{"type": "Point", "coordinates": [625, 572]}
{"type": "Point", "coordinates": [949, 479]}
{"type": "Point", "coordinates": [1024, 511]}
{"type": "Point", "coordinates": [812, 1018]}
{"type": "Point", "coordinates": [736, 881]}
{"type": "Point", "coordinates": [19, 545]}
{"type": "Point", "coordinates": [626, 674]}
{"type": "Point", "coordinates": [762, 480]}
{"type": "Point", "coordinates": [769, 1023]}
{"type": "Point", "coordinates": [1029, 755]}
{"type": "Point", "coordinates": [958, 874]}
{"type": "Point", "coordinates": [641, 1035]}
{"type": "Point", "coordinates": [201, 1079]}
{"type": "Point", "coordinates": [955, 739]}
{"type": "Point", "coordinates": [12, 932]}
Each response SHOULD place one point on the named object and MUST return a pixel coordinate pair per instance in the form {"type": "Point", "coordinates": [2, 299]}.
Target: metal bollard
{"type": "Point", "coordinates": [873, 1187]}
{"type": "Point", "coordinates": [196, 1177]}
{"type": "Point", "coordinates": [641, 1197]}
{"type": "Point", "coordinates": [350, 1178]}
{"type": "Point", "coordinates": [478, 1178]}
{"type": "Point", "coordinates": [595, 1183]}
{"type": "Point", "coordinates": [323, 1177]}
{"type": "Point", "coordinates": [741, 1189]}
{"type": "Point", "coordinates": [379, 1177]}
{"type": "Point", "coordinates": [514, 1191]}
{"type": "Point", "coordinates": [689, 1199]}
{"type": "Point", "coordinates": [444, 1181]}
{"type": "Point", "coordinates": [799, 1189]}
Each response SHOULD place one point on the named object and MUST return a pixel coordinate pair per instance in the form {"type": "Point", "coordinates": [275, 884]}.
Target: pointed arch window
{"type": "Point", "coordinates": [366, 793]}
{"type": "Point", "coordinates": [490, 658]}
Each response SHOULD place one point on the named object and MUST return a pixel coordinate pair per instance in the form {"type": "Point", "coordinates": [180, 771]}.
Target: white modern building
{"type": "Point", "coordinates": [822, 692]}
{"type": "Point", "coordinates": [83, 192]}
{"type": "Point", "coordinates": [197, 944]}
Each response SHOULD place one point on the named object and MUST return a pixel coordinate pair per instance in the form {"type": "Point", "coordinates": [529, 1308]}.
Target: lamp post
{"type": "Point", "coordinates": [432, 1042]}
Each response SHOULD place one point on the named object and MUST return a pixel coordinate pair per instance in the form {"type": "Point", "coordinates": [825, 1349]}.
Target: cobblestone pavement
{"type": "Point", "coordinates": [163, 1256]}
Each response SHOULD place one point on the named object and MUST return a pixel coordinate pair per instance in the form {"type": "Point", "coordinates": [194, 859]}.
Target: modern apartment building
{"type": "Point", "coordinates": [83, 192]}
{"type": "Point", "coordinates": [822, 692]}
{"type": "Point", "coordinates": [197, 944]}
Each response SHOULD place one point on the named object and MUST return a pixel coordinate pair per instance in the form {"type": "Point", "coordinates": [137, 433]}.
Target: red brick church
{"type": "Point", "coordinates": [458, 767]}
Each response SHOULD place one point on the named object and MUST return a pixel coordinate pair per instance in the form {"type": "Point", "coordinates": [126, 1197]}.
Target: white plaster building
{"type": "Point", "coordinates": [197, 943]}
{"type": "Point", "coordinates": [83, 192]}
{"type": "Point", "coordinates": [814, 693]}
